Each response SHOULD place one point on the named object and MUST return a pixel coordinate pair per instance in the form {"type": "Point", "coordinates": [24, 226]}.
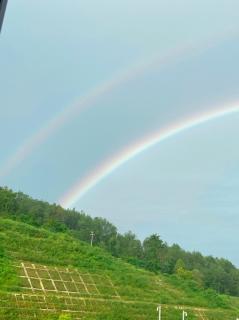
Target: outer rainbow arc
{"type": "Point", "coordinates": [104, 170]}
{"type": "Point", "coordinates": [86, 101]}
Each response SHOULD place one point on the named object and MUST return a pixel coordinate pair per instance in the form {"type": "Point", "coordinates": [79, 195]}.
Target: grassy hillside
{"type": "Point", "coordinates": [152, 253]}
{"type": "Point", "coordinates": [46, 275]}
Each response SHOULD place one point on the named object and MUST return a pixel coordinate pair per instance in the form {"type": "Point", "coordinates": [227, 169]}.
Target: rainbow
{"type": "Point", "coordinates": [29, 145]}
{"type": "Point", "coordinates": [108, 167]}
{"type": "Point", "coordinates": [71, 111]}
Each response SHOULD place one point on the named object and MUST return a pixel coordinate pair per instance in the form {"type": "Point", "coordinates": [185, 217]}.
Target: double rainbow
{"type": "Point", "coordinates": [71, 111]}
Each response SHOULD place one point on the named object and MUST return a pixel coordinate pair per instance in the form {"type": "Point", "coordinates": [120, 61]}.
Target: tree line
{"type": "Point", "coordinates": [152, 254]}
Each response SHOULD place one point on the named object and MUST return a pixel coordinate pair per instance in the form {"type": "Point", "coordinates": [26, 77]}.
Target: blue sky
{"type": "Point", "coordinates": [53, 53]}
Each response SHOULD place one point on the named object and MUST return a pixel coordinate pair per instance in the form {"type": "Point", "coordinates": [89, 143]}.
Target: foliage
{"type": "Point", "coordinates": [8, 276]}
{"type": "Point", "coordinates": [140, 289]}
{"type": "Point", "coordinates": [152, 254]}
{"type": "Point", "coordinates": [64, 317]}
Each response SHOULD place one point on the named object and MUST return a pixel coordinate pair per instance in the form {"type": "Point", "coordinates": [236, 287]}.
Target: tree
{"type": "Point", "coordinates": [129, 246]}
{"type": "Point", "coordinates": [153, 248]}
{"type": "Point", "coordinates": [180, 265]}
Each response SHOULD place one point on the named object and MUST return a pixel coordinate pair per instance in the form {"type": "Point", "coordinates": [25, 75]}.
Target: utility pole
{"type": "Point", "coordinates": [159, 309]}
{"type": "Point", "coordinates": [3, 5]}
{"type": "Point", "coordinates": [185, 315]}
{"type": "Point", "coordinates": [92, 235]}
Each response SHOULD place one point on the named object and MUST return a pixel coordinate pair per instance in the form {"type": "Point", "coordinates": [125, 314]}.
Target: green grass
{"type": "Point", "coordinates": [115, 289]}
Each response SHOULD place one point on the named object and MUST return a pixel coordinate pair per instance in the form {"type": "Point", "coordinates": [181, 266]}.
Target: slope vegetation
{"type": "Point", "coordinates": [47, 275]}
{"type": "Point", "coordinates": [152, 254]}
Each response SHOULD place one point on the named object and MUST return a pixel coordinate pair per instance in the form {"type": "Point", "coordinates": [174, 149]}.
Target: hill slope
{"type": "Point", "coordinates": [45, 274]}
{"type": "Point", "coordinates": [152, 254]}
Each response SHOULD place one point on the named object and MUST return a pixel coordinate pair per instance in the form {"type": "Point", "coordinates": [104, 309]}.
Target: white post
{"type": "Point", "coordinates": [92, 237]}
{"type": "Point", "coordinates": [184, 315]}
{"type": "Point", "coordinates": [159, 308]}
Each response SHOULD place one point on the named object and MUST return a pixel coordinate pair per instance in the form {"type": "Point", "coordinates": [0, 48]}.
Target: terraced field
{"type": "Point", "coordinates": [38, 278]}
{"type": "Point", "coordinates": [45, 292]}
{"type": "Point", "coordinates": [49, 275]}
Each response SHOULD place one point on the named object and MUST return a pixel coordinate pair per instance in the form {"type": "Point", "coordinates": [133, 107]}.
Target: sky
{"type": "Point", "coordinates": [82, 80]}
